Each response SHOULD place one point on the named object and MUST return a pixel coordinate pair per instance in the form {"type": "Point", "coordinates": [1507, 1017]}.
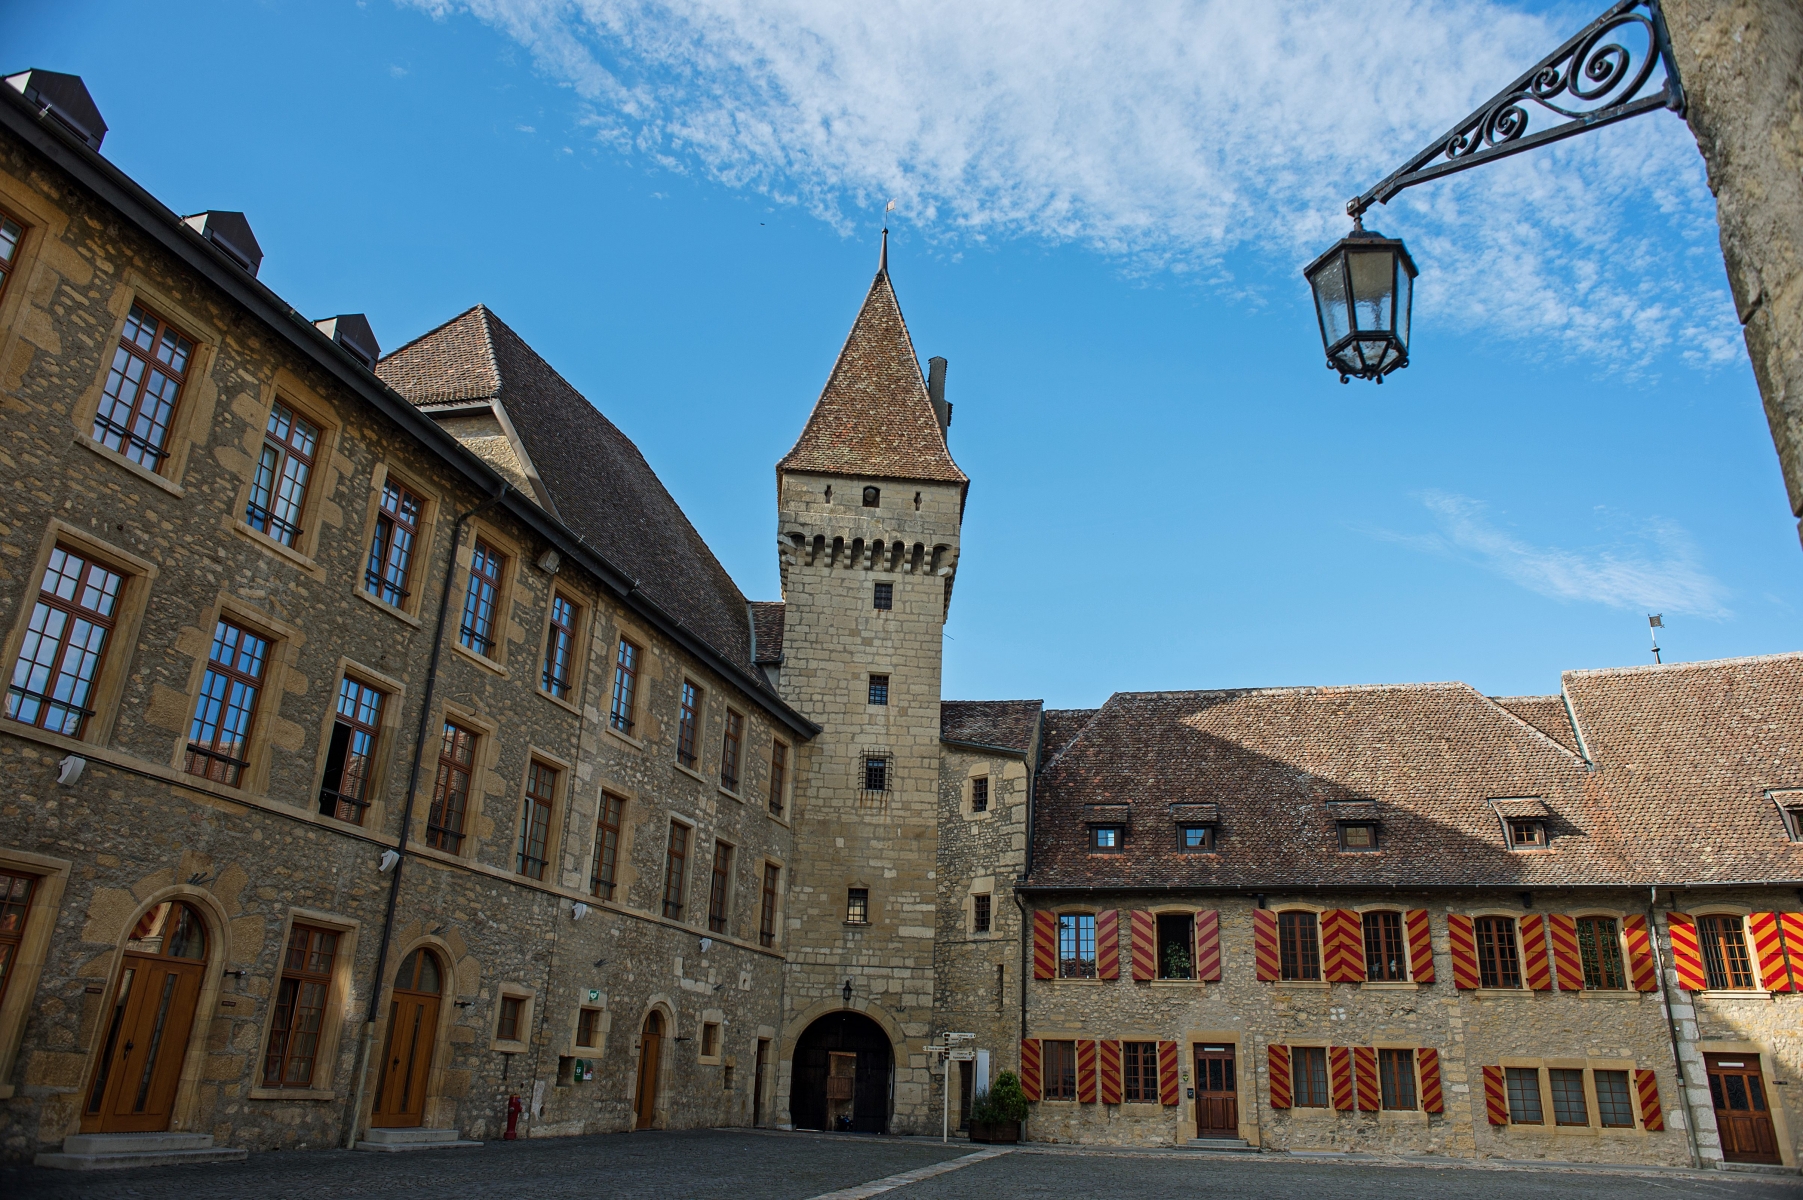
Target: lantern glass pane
{"type": "Point", "coordinates": [1405, 294]}
{"type": "Point", "coordinates": [1373, 287]}
{"type": "Point", "coordinates": [1329, 284]}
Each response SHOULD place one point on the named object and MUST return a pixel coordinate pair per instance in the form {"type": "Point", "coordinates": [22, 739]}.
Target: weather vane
{"type": "Point", "coordinates": [1655, 622]}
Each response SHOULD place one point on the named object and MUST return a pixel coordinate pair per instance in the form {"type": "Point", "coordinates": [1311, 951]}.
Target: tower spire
{"type": "Point", "coordinates": [882, 262]}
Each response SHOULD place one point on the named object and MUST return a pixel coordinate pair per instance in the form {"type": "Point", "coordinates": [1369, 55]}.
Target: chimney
{"type": "Point", "coordinates": [936, 393]}
{"type": "Point", "coordinates": [352, 331]}
{"type": "Point", "coordinates": [64, 97]}
{"type": "Point", "coordinates": [231, 233]}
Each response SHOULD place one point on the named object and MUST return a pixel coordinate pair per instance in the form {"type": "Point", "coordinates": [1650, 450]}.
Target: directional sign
{"type": "Point", "coordinates": [963, 1054]}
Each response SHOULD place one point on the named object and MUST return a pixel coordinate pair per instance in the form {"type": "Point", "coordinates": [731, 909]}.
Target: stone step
{"type": "Point", "coordinates": [1225, 1145]}
{"type": "Point", "coordinates": [115, 1151]}
{"type": "Point", "coordinates": [398, 1141]}
{"type": "Point", "coordinates": [134, 1143]}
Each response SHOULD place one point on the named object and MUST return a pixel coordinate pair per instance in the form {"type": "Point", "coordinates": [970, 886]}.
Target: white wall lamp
{"type": "Point", "coordinates": [386, 863]}
{"type": "Point", "coordinates": [70, 769]}
{"type": "Point", "coordinates": [707, 944]}
{"type": "Point", "coordinates": [578, 910]}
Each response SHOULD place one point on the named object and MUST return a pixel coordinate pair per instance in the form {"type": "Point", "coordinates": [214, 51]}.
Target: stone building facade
{"type": "Point", "coordinates": [396, 748]}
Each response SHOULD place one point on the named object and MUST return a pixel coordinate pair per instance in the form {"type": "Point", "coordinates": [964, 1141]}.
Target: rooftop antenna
{"type": "Point", "coordinates": [882, 266]}
{"type": "Point", "coordinates": [1655, 622]}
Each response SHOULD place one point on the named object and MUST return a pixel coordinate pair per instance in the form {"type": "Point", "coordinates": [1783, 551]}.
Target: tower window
{"type": "Point", "coordinates": [872, 497]}
{"type": "Point", "coordinates": [979, 913]}
{"type": "Point", "coordinates": [885, 597]}
{"type": "Point", "coordinates": [979, 794]}
{"type": "Point", "coordinates": [879, 689]}
{"type": "Point", "coordinates": [857, 906]}
{"type": "Point", "coordinates": [876, 773]}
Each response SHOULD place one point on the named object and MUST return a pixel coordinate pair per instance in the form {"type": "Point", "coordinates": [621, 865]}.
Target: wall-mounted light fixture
{"type": "Point", "coordinates": [707, 944]}
{"type": "Point", "coordinates": [845, 992]}
{"type": "Point", "coordinates": [578, 910]}
{"type": "Point", "coordinates": [386, 863]}
{"type": "Point", "coordinates": [70, 769]}
{"type": "Point", "coordinates": [548, 562]}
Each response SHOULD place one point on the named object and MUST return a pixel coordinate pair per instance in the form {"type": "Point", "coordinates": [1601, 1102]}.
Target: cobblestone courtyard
{"type": "Point", "coordinates": [744, 1165]}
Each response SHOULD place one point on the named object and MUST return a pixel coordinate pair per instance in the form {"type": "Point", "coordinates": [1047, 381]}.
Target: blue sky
{"type": "Point", "coordinates": [1100, 222]}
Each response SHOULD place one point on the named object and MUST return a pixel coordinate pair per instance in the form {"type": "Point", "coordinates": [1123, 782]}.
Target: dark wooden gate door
{"type": "Point", "coordinates": [1217, 1093]}
{"type": "Point", "coordinates": [139, 1068]}
{"type": "Point", "coordinates": [1741, 1114]}
{"type": "Point", "coordinates": [651, 1045]}
{"type": "Point", "coordinates": [412, 1032]}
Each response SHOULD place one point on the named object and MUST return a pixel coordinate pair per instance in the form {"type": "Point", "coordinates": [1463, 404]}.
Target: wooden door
{"type": "Point", "coordinates": [651, 1044]}
{"type": "Point", "coordinates": [139, 1067]}
{"type": "Point", "coordinates": [1217, 1093]}
{"type": "Point", "coordinates": [400, 1101]}
{"type": "Point", "coordinates": [1741, 1115]}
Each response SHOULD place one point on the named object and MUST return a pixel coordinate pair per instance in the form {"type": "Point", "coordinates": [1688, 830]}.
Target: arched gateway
{"type": "Point", "coordinates": [842, 1074]}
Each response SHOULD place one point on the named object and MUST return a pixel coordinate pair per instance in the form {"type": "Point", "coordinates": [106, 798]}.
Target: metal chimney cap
{"type": "Point", "coordinates": [66, 98]}
{"type": "Point", "coordinates": [231, 233]}
{"type": "Point", "coordinates": [352, 331]}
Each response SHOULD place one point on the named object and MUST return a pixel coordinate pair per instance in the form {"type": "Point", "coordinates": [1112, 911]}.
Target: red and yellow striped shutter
{"type": "Point", "coordinates": [1108, 945]}
{"type": "Point", "coordinates": [1535, 966]}
{"type": "Point", "coordinates": [1029, 1068]}
{"type": "Point", "coordinates": [1045, 944]}
{"type": "Point", "coordinates": [1279, 1057]}
{"type": "Point", "coordinates": [1496, 1096]}
{"type": "Point", "coordinates": [1651, 1115]}
{"type": "Point", "coordinates": [1208, 946]}
{"type": "Point", "coordinates": [1167, 1074]}
{"type": "Point", "coordinates": [1565, 953]}
{"type": "Point", "coordinates": [1339, 1071]}
{"type": "Point", "coordinates": [1421, 946]}
{"type": "Point", "coordinates": [1264, 944]}
{"type": "Point", "coordinates": [1342, 946]}
{"type": "Point", "coordinates": [1431, 1099]}
{"type": "Point", "coordinates": [1464, 951]}
{"type": "Point", "coordinates": [1110, 1058]}
{"type": "Point", "coordinates": [1768, 948]}
{"type": "Point", "coordinates": [1364, 1068]}
{"type": "Point", "coordinates": [1086, 1072]}
{"type": "Point", "coordinates": [1640, 955]}
{"type": "Point", "coordinates": [1686, 958]}
{"type": "Point", "coordinates": [1790, 926]}
{"type": "Point", "coordinates": [1145, 944]}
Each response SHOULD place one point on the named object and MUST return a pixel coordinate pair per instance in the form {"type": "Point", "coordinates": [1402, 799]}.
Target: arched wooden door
{"type": "Point", "coordinates": [139, 1066]}
{"type": "Point", "coordinates": [651, 1045]}
{"type": "Point", "coordinates": [407, 1053]}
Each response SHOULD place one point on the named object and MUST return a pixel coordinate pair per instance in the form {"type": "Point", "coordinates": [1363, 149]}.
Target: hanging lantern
{"type": "Point", "coordinates": [1363, 287]}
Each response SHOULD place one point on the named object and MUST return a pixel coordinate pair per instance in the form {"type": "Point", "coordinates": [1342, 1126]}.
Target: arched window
{"type": "Point", "coordinates": [171, 929]}
{"type": "Point", "coordinates": [419, 973]}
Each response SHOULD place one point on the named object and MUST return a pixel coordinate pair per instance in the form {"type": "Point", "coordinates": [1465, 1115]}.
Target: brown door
{"type": "Point", "coordinates": [1217, 1093]}
{"type": "Point", "coordinates": [1741, 1115]}
{"type": "Point", "coordinates": [139, 1067]}
{"type": "Point", "coordinates": [407, 1051]}
{"type": "Point", "coordinates": [651, 1044]}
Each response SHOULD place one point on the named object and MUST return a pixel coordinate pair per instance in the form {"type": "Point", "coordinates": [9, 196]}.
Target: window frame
{"type": "Point", "coordinates": [677, 849]}
{"type": "Point", "coordinates": [878, 762]}
{"type": "Point", "coordinates": [485, 572]}
{"type": "Point", "coordinates": [1207, 843]}
{"type": "Point", "coordinates": [1114, 835]}
{"type": "Point", "coordinates": [375, 733]}
{"type": "Point", "coordinates": [538, 800]}
{"type": "Point", "coordinates": [1309, 1086]}
{"type": "Point", "coordinates": [512, 1008]}
{"type": "Point", "coordinates": [377, 583]}
{"type": "Point", "coordinates": [1626, 1098]}
{"type": "Point", "coordinates": [591, 1017]}
{"type": "Point", "coordinates": [607, 850]}
{"type": "Point", "coordinates": [234, 678]}
{"type": "Point", "coordinates": [16, 256]}
{"type": "Point", "coordinates": [302, 977]}
{"type": "Point", "coordinates": [1712, 930]}
{"type": "Point", "coordinates": [1559, 1088]}
{"type": "Point", "coordinates": [562, 688]}
{"type": "Point", "coordinates": [163, 451]}
{"type": "Point", "coordinates": [688, 724]}
{"type": "Point", "coordinates": [1163, 945]}
{"type": "Point", "coordinates": [1514, 1076]}
{"type": "Point", "coordinates": [1076, 931]}
{"type": "Point", "coordinates": [878, 696]}
{"type": "Point", "coordinates": [1396, 1068]}
{"type": "Point", "coordinates": [1139, 1072]}
{"type": "Point", "coordinates": [732, 751]}
{"type": "Point", "coordinates": [1346, 847]}
{"type": "Point", "coordinates": [290, 532]}
{"type": "Point", "coordinates": [882, 596]}
{"type": "Point", "coordinates": [1534, 828]}
{"type": "Point", "coordinates": [979, 794]}
{"type": "Point", "coordinates": [1597, 981]}
{"type": "Point", "coordinates": [337, 1013]}
{"type": "Point", "coordinates": [448, 768]}
{"type": "Point", "coordinates": [768, 903]}
{"type": "Point", "coordinates": [1058, 1071]}
{"type": "Point", "coordinates": [982, 913]}
{"type": "Point", "coordinates": [1298, 946]}
{"type": "Point", "coordinates": [74, 612]}
{"type": "Point", "coordinates": [857, 906]}
{"type": "Point", "coordinates": [719, 887]}
{"type": "Point", "coordinates": [1488, 946]}
{"type": "Point", "coordinates": [779, 776]}
{"type": "Point", "coordinates": [624, 697]}
{"type": "Point", "coordinates": [1384, 941]}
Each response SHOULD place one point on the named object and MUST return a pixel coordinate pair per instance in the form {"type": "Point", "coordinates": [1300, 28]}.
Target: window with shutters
{"type": "Point", "coordinates": [779, 776]}
{"type": "Point", "coordinates": [603, 870]}
{"type": "Point", "coordinates": [390, 568]}
{"type": "Point", "coordinates": [626, 682]}
{"type": "Point", "coordinates": [350, 753]}
{"type": "Point", "coordinates": [979, 913]}
{"type": "Point", "coordinates": [61, 653]}
{"type": "Point", "coordinates": [1386, 955]}
{"type": "Point", "coordinates": [137, 403]}
{"type": "Point", "coordinates": [1298, 945]}
{"type": "Point", "coordinates": [730, 743]}
{"type": "Point", "coordinates": [1396, 1078]}
{"type": "Point", "coordinates": [1524, 1095]}
{"type": "Point", "coordinates": [297, 1018]}
{"type": "Point", "coordinates": [1076, 946]}
{"type": "Point", "coordinates": [676, 865]}
{"type": "Point", "coordinates": [560, 648]}
{"type": "Point", "coordinates": [1723, 940]}
{"type": "Point", "coordinates": [1599, 950]}
{"type": "Point", "coordinates": [15, 905]}
{"type": "Point", "coordinates": [1498, 962]}
{"type": "Point", "coordinates": [857, 906]}
{"type": "Point", "coordinates": [1308, 1076]}
{"type": "Point", "coordinates": [687, 718]}
{"type": "Point", "coordinates": [1613, 1104]}
{"type": "Point", "coordinates": [719, 891]}
{"type": "Point", "coordinates": [1569, 1107]}
{"type": "Point", "coordinates": [1139, 1072]}
{"type": "Point", "coordinates": [1059, 1063]}
{"type": "Point", "coordinates": [535, 820]}
{"type": "Point", "coordinates": [481, 599]}
{"type": "Point", "coordinates": [219, 734]}
{"type": "Point", "coordinates": [1176, 946]}
{"type": "Point", "coordinates": [451, 790]}
{"type": "Point", "coordinates": [767, 911]}
{"type": "Point", "coordinates": [979, 794]}
{"type": "Point", "coordinates": [278, 490]}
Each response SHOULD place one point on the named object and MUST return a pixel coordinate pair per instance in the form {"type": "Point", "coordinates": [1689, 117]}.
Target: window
{"type": "Point", "coordinates": [513, 1009]}
{"type": "Point", "coordinates": [298, 1015]}
{"type": "Point", "coordinates": [227, 704]}
{"type": "Point", "coordinates": [1308, 1076]}
{"type": "Point", "coordinates": [390, 566]}
{"type": "Point", "coordinates": [879, 689]}
{"type": "Point", "coordinates": [138, 401]}
{"type": "Point", "coordinates": [979, 794]}
{"type": "Point", "coordinates": [478, 631]}
{"type": "Point", "coordinates": [884, 597]}
{"type": "Point", "coordinates": [1792, 812]}
{"type": "Point", "coordinates": [1599, 949]}
{"type": "Point", "coordinates": [1568, 1098]}
{"type": "Point", "coordinates": [1107, 839]}
{"type": "Point", "coordinates": [588, 1028]}
{"type": "Point", "coordinates": [1396, 1078]}
{"type": "Point", "coordinates": [857, 906]}
{"type": "Point", "coordinates": [607, 847]}
{"type": "Point", "coordinates": [60, 657]}
{"type": "Point", "coordinates": [729, 750]}
{"type": "Point", "coordinates": [451, 790]}
{"type": "Point", "coordinates": [350, 755]}
{"type": "Point", "coordinates": [15, 902]}
{"type": "Point", "coordinates": [685, 724]}
{"type": "Point", "coordinates": [710, 1040]}
{"type": "Point", "coordinates": [872, 497]}
{"type": "Point", "coordinates": [1385, 958]}
{"type": "Point", "coordinates": [560, 648]}
{"type": "Point", "coordinates": [1527, 834]}
{"type": "Point", "coordinates": [1298, 945]}
{"type": "Point", "coordinates": [1176, 946]}
{"type": "Point", "coordinates": [626, 681]}
{"type": "Point", "coordinates": [11, 233]}
{"type": "Point", "coordinates": [1077, 946]}
{"type": "Point", "coordinates": [1497, 964]}
{"type": "Point", "coordinates": [1196, 839]}
{"type": "Point", "coordinates": [767, 914]}
{"type": "Point", "coordinates": [1060, 1067]}
{"type": "Point", "coordinates": [1724, 944]}
{"type": "Point", "coordinates": [1139, 1072]}
{"type": "Point", "coordinates": [1612, 1104]}
{"type": "Point", "coordinates": [535, 820]}
{"type": "Point", "coordinates": [979, 913]}
{"type": "Point", "coordinates": [1358, 837]}
{"type": "Point", "coordinates": [779, 775]}
{"type": "Point", "coordinates": [676, 862]}
{"type": "Point", "coordinates": [1524, 1095]}
{"type": "Point", "coordinates": [719, 888]}
{"type": "Point", "coordinates": [279, 489]}
{"type": "Point", "coordinates": [876, 773]}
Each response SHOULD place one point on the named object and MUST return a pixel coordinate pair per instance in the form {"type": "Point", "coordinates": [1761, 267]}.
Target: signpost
{"type": "Point", "coordinates": [956, 1049]}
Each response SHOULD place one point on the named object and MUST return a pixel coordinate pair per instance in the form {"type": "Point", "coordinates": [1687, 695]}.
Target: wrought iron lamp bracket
{"type": "Point", "coordinates": [1590, 81]}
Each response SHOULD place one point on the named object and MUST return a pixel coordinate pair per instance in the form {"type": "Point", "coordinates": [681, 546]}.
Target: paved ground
{"type": "Point", "coordinates": [743, 1165]}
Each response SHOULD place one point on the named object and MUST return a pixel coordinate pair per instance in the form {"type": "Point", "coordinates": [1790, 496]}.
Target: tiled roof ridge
{"type": "Point", "coordinates": [1323, 689]}
{"type": "Point", "coordinates": [1507, 699]}
{"type": "Point", "coordinates": [483, 315]}
{"type": "Point", "coordinates": [1701, 664]}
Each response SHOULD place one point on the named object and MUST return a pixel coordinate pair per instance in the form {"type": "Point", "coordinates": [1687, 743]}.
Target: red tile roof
{"type": "Point", "coordinates": [1005, 724]}
{"type": "Point", "coordinates": [1545, 713]}
{"type": "Point", "coordinates": [767, 631]}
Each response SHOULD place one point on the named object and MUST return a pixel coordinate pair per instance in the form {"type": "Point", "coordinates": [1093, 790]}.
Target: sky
{"type": "Point", "coordinates": [1101, 214]}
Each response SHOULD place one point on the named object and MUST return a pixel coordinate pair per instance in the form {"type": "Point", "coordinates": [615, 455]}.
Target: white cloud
{"type": "Point", "coordinates": [1199, 136]}
{"type": "Point", "coordinates": [1653, 569]}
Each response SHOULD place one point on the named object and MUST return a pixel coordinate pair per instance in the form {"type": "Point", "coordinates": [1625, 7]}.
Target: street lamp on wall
{"type": "Point", "coordinates": [1363, 288]}
{"type": "Point", "coordinates": [845, 992]}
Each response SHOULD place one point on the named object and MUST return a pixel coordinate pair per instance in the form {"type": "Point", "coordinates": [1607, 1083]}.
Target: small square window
{"type": "Point", "coordinates": [879, 689]}
{"type": "Point", "coordinates": [857, 906]}
{"type": "Point", "coordinates": [979, 913]}
{"type": "Point", "coordinates": [1196, 839]}
{"type": "Point", "coordinates": [884, 597]}
{"type": "Point", "coordinates": [979, 794]}
{"type": "Point", "coordinates": [1527, 833]}
{"type": "Point", "coordinates": [1358, 837]}
{"type": "Point", "coordinates": [876, 773]}
{"type": "Point", "coordinates": [1107, 839]}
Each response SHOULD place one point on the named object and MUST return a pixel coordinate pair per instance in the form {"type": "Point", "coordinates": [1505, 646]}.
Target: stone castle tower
{"type": "Point", "coordinates": [869, 506]}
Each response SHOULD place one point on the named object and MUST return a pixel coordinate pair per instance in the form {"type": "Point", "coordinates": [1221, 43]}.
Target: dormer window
{"type": "Point", "coordinates": [1790, 808]}
{"type": "Point", "coordinates": [1527, 833]}
{"type": "Point", "coordinates": [1196, 839]}
{"type": "Point", "coordinates": [1107, 839]}
{"type": "Point", "coordinates": [1358, 837]}
{"type": "Point", "coordinates": [872, 497]}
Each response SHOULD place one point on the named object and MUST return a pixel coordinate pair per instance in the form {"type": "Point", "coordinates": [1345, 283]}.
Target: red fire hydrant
{"type": "Point", "coordinates": [514, 1108]}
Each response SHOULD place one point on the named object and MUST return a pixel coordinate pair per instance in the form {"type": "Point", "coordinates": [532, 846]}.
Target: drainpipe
{"type": "Point", "coordinates": [394, 883]}
{"type": "Point", "coordinates": [1671, 1026]}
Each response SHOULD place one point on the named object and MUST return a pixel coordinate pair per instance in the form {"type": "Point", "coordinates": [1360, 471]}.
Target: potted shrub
{"type": "Point", "coordinates": [995, 1115]}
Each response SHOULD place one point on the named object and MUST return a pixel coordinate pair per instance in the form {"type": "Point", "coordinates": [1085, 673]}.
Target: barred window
{"type": "Point", "coordinates": [1612, 1099]}
{"type": "Point", "coordinates": [884, 597]}
{"type": "Point", "coordinates": [1077, 946]}
{"type": "Point", "coordinates": [979, 913]}
{"type": "Point", "coordinates": [1524, 1095]}
{"type": "Point", "coordinates": [1139, 1072]}
{"type": "Point", "coordinates": [478, 632]}
{"type": "Point", "coordinates": [1724, 944]}
{"type": "Point", "coordinates": [879, 689]}
{"type": "Point", "coordinates": [1060, 1068]}
{"type": "Point", "coordinates": [278, 491]}
{"type": "Point", "coordinates": [137, 404]}
{"type": "Point", "coordinates": [979, 794]}
{"type": "Point", "coordinates": [60, 657]}
{"type": "Point", "coordinates": [1599, 949]}
{"type": "Point", "coordinates": [350, 755]}
{"type": "Point", "coordinates": [560, 648]}
{"type": "Point", "coordinates": [390, 566]}
{"type": "Point", "coordinates": [1298, 945]}
{"type": "Point", "coordinates": [876, 773]}
{"type": "Point", "coordinates": [219, 734]}
{"type": "Point", "coordinates": [1396, 1078]}
{"type": "Point", "coordinates": [1385, 958]}
{"type": "Point", "coordinates": [857, 906]}
{"type": "Point", "coordinates": [1498, 965]}
{"type": "Point", "coordinates": [1308, 1076]}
